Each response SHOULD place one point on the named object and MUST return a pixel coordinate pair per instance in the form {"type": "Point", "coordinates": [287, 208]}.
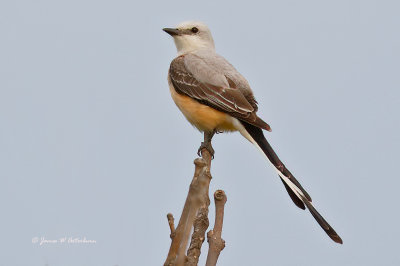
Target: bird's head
{"type": "Point", "coordinates": [190, 36]}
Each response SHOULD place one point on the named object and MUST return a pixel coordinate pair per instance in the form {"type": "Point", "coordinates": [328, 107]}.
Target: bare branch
{"type": "Point", "coordinates": [197, 197]}
{"type": "Point", "coordinates": [170, 218]}
{"type": "Point", "coordinates": [201, 223]}
{"type": "Point", "coordinates": [200, 226]}
{"type": "Point", "coordinates": [216, 243]}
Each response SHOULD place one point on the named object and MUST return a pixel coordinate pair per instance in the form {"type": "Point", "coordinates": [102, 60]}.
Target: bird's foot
{"type": "Point", "coordinates": [208, 147]}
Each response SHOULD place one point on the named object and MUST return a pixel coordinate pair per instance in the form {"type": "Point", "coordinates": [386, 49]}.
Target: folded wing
{"type": "Point", "coordinates": [222, 97]}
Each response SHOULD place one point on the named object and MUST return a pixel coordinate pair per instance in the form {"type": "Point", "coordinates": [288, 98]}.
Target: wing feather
{"type": "Point", "coordinates": [227, 99]}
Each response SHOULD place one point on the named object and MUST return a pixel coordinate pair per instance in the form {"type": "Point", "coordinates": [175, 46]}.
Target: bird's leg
{"type": "Point", "coordinates": [208, 135]}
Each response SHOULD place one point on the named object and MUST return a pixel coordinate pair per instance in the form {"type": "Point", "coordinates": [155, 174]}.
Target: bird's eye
{"type": "Point", "coordinates": [195, 30]}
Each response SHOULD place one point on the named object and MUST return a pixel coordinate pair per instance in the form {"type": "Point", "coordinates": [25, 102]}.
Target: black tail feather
{"type": "Point", "coordinates": [257, 134]}
{"type": "Point", "coordinates": [299, 203]}
{"type": "Point", "coordinates": [323, 223]}
{"type": "Point", "coordinates": [299, 200]}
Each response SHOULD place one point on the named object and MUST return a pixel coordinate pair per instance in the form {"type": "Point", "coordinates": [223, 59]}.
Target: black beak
{"type": "Point", "coordinates": [172, 32]}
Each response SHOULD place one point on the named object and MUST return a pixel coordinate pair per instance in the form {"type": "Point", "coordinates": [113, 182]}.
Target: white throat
{"type": "Point", "coordinates": [189, 43]}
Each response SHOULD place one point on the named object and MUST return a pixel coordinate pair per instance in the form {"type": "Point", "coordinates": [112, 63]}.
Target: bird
{"type": "Point", "coordinates": [214, 97]}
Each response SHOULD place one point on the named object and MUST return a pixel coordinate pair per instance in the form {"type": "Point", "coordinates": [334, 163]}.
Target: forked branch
{"type": "Point", "coordinates": [197, 198]}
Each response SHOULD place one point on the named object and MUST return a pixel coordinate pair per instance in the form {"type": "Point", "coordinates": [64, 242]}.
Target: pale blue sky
{"type": "Point", "coordinates": [92, 145]}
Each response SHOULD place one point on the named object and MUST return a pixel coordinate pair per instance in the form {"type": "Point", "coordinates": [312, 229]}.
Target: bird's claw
{"type": "Point", "coordinates": [208, 147]}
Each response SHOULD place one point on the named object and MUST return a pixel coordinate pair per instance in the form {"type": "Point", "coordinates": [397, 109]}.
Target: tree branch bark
{"type": "Point", "coordinates": [216, 243]}
{"type": "Point", "coordinates": [197, 198]}
{"type": "Point", "coordinates": [199, 232]}
{"type": "Point", "coordinates": [170, 218]}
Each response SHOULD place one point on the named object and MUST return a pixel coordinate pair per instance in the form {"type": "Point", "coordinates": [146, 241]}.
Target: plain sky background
{"type": "Point", "coordinates": [92, 145]}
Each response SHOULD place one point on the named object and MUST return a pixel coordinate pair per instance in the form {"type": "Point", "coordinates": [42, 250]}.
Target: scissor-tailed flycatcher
{"type": "Point", "coordinates": [214, 96]}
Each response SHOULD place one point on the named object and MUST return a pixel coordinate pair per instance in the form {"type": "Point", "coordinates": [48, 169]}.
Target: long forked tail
{"type": "Point", "coordinates": [296, 192]}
